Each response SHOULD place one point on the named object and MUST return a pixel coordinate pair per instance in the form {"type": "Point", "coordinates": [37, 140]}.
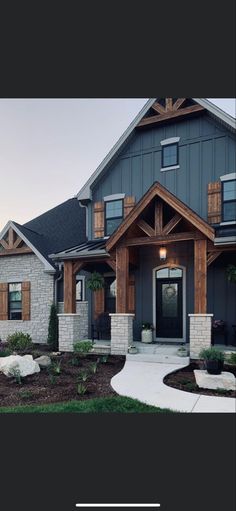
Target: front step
{"type": "Point", "coordinates": [158, 358]}
{"type": "Point", "coordinates": [101, 349]}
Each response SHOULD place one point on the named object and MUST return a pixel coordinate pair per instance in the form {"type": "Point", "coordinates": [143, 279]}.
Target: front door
{"type": "Point", "coordinates": [169, 303]}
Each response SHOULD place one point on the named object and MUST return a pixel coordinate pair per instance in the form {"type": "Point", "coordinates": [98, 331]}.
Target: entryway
{"type": "Point", "coordinates": [169, 303]}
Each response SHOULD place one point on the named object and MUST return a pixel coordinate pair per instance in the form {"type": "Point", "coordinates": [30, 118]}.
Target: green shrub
{"type": "Point", "coordinates": [104, 359]}
{"type": "Point", "coordinates": [55, 368]}
{"type": "Point", "coordinates": [81, 389]}
{"type": "Point", "coordinates": [83, 375]}
{"type": "Point", "coordinates": [19, 342]}
{"type": "Point", "coordinates": [212, 354]}
{"type": "Point", "coordinates": [190, 386]}
{"type": "Point", "coordinates": [82, 348]}
{"type": "Point", "coordinates": [53, 328]}
{"type": "Point", "coordinates": [232, 358]}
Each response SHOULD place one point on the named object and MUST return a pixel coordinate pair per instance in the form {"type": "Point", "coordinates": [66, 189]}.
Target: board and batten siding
{"type": "Point", "coordinates": [207, 150]}
{"type": "Point", "coordinates": [38, 289]}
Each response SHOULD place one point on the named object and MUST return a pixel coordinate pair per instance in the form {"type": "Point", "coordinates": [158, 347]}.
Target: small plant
{"type": "Point", "coordinates": [52, 378]}
{"type": "Point", "coordinates": [147, 326]}
{"type": "Point", "coordinates": [212, 354]}
{"type": "Point", "coordinates": [53, 328]}
{"type": "Point", "coordinates": [75, 361]}
{"type": "Point", "coordinates": [83, 375]}
{"type": "Point", "coordinates": [56, 368]}
{"type": "Point", "coordinates": [93, 367]}
{"type": "Point", "coordinates": [95, 282]}
{"type": "Point", "coordinates": [15, 373]}
{"type": "Point", "coordinates": [231, 359]}
{"type": "Point", "coordinates": [104, 359]}
{"type": "Point", "coordinates": [25, 394]}
{"type": "Point", "coordinates": [82, 348]}
{"type": "Point", "coordinates": [191, 386]}
{"type": "Point", "coordinates": [81, 389]}
{"type": "Point", "coordinates": [223, 392]}
{"type": "Point", "coordinates": [19, 342]}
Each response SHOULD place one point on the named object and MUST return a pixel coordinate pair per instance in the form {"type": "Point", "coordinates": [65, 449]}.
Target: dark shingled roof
{"type": "Point", "coordinates": [58, 229]}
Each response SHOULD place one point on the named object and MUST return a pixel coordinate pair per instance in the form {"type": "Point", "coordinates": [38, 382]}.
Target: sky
{"type": "Point", "coordinates": [50, 147]}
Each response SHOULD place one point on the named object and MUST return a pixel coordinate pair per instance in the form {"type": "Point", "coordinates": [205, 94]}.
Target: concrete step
{"type": "Point", "coordinates": [157, 358]}
{"type": "Point", "coordinates": [101, 349]}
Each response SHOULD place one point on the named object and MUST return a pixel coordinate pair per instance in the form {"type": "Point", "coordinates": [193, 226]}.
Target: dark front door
{"type": "Point", "coordinates": [169, 308]}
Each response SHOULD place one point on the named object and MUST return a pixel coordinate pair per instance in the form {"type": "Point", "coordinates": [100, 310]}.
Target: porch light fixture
{"type": "Point", "coordinates": [162, 253]}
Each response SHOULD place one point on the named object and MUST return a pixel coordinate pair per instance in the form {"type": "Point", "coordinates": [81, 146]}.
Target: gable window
{"type": "Point", "coordinates": [170, 155]}
{"type": "Point", "coordinates": [229, 200]}
{"type": "Point", "coordinates": [113, 215]}
{"type": "Point", "coordinates": [15, 301]}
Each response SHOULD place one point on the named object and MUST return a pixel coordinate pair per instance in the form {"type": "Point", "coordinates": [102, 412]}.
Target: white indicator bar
{"type": "Point", "coordinates": [119, 505]}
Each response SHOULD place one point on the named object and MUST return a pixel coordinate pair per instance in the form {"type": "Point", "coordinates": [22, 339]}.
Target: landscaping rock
{"type": "Point", "coordinates": [225, 380]}
{"type": "Point", "coordinates": [44, 361]}
{"type": "Point", "coordinates": [23, 365]}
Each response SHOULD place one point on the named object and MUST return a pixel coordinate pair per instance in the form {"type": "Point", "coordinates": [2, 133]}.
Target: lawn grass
{"type": "Point", "coordinates": [116, 404]}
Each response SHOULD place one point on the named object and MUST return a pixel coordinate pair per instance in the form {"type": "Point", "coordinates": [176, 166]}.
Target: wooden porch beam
{"type": "Point", "coordinates": [172, 224]}
{"type": "Point", "coordinates": [145, 227]}
{"type": "Point", "coordinates": [111, 263]}
{"type": "Point", "coordinates": [212, 256]}
{"type": "Point", "coordinates": [159, 240]}
{"type": "Point", "coordinates": [158, 217]}
{"type": "Point", "coordinates": [200, 276]}
{"type": "Point", "coordinates": [133, 256]}
{"type": "Point", "coordinates": [69, 288]}
{"type": "Point", "coordinates": [122, 280]}
{"type": "Point", "coordinates": [77, 266]}
{"type": "Point", "coordinates": [178, 103]}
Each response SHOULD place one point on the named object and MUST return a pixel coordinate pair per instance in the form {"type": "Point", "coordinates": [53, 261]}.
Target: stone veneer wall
{"type": "Point", "coordinates": [82, 310]}
{"type": "Point", "coordinates": [72, 327]}
{"type": "Point", "coordinates": [200, 333]}
{"type": "Point", "coordinates": [121, 333]}
{"type": "Point", "coordinates": [22, 268]}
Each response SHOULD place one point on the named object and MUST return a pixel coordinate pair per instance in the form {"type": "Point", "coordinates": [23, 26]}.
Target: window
{"type": "Point", "coordinates": [170, 155]}
{"type": "Point", "coordinates": [229, 200]}
{"type": "Point", "coordinates": [113, 215]}
{"type": "Point", "coordinates": [110, 294]}
{"type": "Point", "coordinates": [15, 301]}
{"type": "Point", "coordinates": [79, 290]}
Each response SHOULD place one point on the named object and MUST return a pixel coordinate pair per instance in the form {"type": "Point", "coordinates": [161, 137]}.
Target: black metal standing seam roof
{"type": "Point", "coordinates": [89, 248]}
{"type": "Point", "coordinates": [57, 229]}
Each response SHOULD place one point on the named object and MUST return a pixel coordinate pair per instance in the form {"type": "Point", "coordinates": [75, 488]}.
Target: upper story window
{"type": "Point", "coordinates": [229, 200]}
{"type": "Point", "coordinates": [15, 301]}
{"type": "Point", "coordinates": [170, 153]}
{"type": "Point", "coordinates": [113, 215]}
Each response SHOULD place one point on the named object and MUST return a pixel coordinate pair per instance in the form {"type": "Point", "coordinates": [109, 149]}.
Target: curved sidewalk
{"type": "Point", "coordinates": [144, 381]}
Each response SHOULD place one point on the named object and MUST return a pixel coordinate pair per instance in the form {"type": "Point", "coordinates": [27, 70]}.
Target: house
{"type": "Point", "coordinates": [161, 229]}
{"type": "Point", "coordinates": [29, 279]}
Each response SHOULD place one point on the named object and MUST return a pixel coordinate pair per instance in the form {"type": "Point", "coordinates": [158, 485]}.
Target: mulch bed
{"type": "Point", "coordinates": [184, 379]}
{"type": "Point", "coordinates": [46, 387]}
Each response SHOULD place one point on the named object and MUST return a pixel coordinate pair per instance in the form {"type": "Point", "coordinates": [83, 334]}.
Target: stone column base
{"type": "Point", "coordinates": [121, 333]}
{"type": "Point", "coordinates": [200, 333]}
{"type": "Point", "coordinates": [69, 329]}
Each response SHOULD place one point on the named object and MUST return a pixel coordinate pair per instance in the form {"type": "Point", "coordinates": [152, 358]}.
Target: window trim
{"type": "Point", "coordinates": [112, 218]}
{"type": "Point", "coordinates": [226, 201]}
{"type": "Point", "coordinates": [175, 165]}
{"type": "Point", "coordinates": [9, 302]}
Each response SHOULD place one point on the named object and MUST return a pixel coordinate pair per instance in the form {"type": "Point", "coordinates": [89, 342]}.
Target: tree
{"type": "Point", "coordinates": [53, 328]}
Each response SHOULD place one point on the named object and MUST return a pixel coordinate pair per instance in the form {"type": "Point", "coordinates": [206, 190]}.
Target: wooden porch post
{"type": "Point", "coordinates": [69, 288]}
{"type": "Point", "coordinates": [122, 279]}
{"type": "Point", "coordinates": [200, 276]}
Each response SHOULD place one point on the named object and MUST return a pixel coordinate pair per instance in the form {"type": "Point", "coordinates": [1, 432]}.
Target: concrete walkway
{"type": "Point", "coordinates": [144, 381]}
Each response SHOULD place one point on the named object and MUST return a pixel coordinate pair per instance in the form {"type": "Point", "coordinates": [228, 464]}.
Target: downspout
{"type": "Point", "coordinates": [86, 223]}
{"type": "Point", "coordinates": [56, 282]}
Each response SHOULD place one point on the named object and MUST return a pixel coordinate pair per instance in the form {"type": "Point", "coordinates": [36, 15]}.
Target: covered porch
{"type": "Point", "coordinates": [159, 259]}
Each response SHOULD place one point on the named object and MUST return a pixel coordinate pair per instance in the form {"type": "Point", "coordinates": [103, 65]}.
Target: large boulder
{"type": "Point", "coordinates": [20, 365]}
{"type": "Point", "coordinates": [44, 361]}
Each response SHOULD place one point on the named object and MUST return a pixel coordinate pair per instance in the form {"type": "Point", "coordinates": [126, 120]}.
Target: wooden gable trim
{"type": "Point", "coordinates": [11, 242]}
{"type": "Point", "coordinates": [157, 190]}
{"type": "Point", "coordinates": [170, 114]}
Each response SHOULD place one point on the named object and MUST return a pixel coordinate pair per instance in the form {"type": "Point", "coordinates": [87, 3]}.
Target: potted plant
{"type": "Point", "coordinates": [182, 351]}
{"type": "Point", "coordinates": [213, 359]}
{"type": "Point", "coordinates": [95, 282]}
{"type": "Point", "coordinates": [132, 349]}
{"type": "Point", "coordinates": [147, 333]}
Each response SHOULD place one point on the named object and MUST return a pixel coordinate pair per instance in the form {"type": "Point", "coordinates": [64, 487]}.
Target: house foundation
{"type": "Point", "coordinates": [121, 333]}
{"type": "Point", "coordinates": [200, 333]}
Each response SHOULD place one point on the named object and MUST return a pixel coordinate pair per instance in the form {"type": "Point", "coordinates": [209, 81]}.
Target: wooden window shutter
{"type": "Point", "coordinates": [214, 202]}
{"type": "Point", "coordinates": [129, 203]}
{"type": "Point", "coordinates": [98, 213]}
{"type": "Point", "coordinates": [3, 302]}
{"type": "Point", "coordinates": [99, 302]}
{"type": "Point", "coordinates": [131, 294]}
{"type": "Point", "coordinates": [25, 288]}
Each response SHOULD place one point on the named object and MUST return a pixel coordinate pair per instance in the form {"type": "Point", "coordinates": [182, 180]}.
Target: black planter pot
{"type": "Point", "coordinates": [214, 366]}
